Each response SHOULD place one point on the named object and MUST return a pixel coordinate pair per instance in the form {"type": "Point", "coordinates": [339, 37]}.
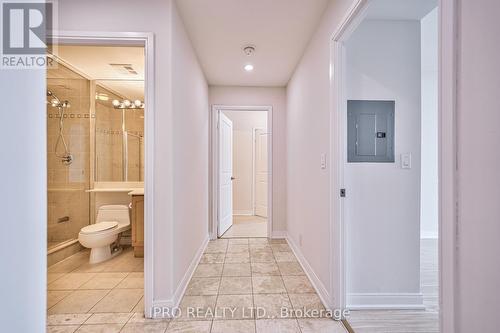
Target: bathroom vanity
{"type": "Point", "coordinates": [138, 222]}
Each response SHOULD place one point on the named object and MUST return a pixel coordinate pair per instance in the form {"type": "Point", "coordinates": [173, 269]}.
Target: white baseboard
{"type": "Point", "coordinates": [181, 289]}
{"type": "Point", "coordinates": [385, 301]}
{"type": "Point", "coordinates": [278, 234]}
{"type": "Point", "coordinates": [320, 288]}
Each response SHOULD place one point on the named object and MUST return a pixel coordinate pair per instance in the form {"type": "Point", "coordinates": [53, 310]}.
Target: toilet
{"type": "Point", "coordinates": [98, 237]}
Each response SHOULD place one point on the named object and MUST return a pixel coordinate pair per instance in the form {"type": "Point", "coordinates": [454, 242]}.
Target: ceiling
{"type": "Point", "coordinates": [279, 29]}
{"type": "Point", "coordinates": [106, 65]}
{"type": "Point", "coordinates": [400, 9]}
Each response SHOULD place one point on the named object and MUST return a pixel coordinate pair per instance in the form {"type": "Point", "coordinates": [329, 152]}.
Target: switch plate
{"type": "Point", "coordinates": [323, 161]}
{"type": "Point", "coordinates": [406, 161]}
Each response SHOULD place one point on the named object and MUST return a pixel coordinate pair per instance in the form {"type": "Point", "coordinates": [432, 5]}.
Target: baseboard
{"type": "Point", "coordinates": [385, 301]}
{"type": "Point", "coordinates": [243, 213]}
{"type": "Point", "coordinates": [278, 234]}
{"type": "Point", "coordinates": [181, 289]}
{"type": "Point", "coordinates": [320, 288]}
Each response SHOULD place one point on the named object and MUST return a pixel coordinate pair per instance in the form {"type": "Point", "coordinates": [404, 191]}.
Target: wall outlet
{"type": "Point", "coordinates": [300, 240]}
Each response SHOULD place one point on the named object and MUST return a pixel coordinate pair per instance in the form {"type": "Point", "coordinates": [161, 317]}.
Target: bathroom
{"type": "Point", "coordinates": [95, 176]}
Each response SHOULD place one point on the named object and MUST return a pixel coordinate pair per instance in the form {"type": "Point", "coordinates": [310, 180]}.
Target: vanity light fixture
{"type": "Point", "coordinates": [127, 104]}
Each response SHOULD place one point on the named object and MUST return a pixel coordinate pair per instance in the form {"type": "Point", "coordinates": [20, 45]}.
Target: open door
{"type": "Point", "coordinates": [261, 172]}
{"type": "Point", "coordinates": [225, 174]}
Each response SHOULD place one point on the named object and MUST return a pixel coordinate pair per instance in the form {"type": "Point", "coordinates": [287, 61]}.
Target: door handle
{"type": "Point", "coordinates": [232, 178]}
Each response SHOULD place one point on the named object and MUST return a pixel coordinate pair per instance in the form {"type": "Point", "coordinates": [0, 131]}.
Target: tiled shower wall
{"type": "Point", "coordinates": [67, 184]}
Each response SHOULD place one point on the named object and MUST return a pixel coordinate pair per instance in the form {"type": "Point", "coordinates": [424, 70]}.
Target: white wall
{"type": "Point", "coordinates": [478, 167]}
{"type": "Point", "coordinates": [382, 208]}
{"type": "Point", "coordinates": [181, 129]}
{"type": "Point", "coordinates": [308, 136]}
{"type": "Point", "coordinates": [244, 123]}
{"type": "Point", "coordinates": [191, 123]}
{"type": "Point", "coordinates": [429, 172]}
{"type": "Point", "coordinates": [263, 96]}
{"type": "Point", "coordinates": [23, 240]}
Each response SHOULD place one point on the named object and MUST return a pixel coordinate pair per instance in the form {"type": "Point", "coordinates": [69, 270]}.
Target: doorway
{"type": "Point", "coordinates": [388, 166]}
{"type": "Point", "coordinates": [241, 163]}
{"type": "Point", "coordinates": [120, 132]}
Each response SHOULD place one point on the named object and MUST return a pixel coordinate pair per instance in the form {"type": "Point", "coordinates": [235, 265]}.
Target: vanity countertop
{"type": "Point", "coordinates": [138, 191]}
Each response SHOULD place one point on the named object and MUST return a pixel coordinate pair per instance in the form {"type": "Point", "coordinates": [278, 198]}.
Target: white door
{"type": "Point", "coordinates": [225, 174]}
{"type": "Point", "coordinates": [261, 172]}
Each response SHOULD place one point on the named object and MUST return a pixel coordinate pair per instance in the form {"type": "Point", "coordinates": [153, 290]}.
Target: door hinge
{"type": "Point", "coordinates": [342, 192]}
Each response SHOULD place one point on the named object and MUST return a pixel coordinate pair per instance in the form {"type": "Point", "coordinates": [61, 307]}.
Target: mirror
{"type": "Point", "coordinates": [119, 131]}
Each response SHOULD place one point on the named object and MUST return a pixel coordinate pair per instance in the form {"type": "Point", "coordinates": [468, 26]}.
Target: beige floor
{"type": "Point", "coordinates": [106, 297]}
{"type": "Point", "coordinates": [424, 321]}
{"type": "Point", "coordinates": [241, 274]}
{"type": "Point", "coordinates": [247, 226]}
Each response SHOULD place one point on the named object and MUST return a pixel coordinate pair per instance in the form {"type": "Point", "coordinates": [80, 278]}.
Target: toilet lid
{"type": "Point", "coordinates": [97, 227]}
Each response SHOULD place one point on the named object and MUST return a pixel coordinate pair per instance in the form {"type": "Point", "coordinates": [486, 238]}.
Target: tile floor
{"type": "Point", "coordinates": [234, 276]}
{"type": "Point", "coordinates": [247, 226]}
{"type": "Point", "coordinates": [105, 297]}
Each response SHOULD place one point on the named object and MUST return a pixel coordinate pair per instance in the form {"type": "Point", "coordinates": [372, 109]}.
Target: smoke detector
{"type": "Point", "coordinates": [249, 50]}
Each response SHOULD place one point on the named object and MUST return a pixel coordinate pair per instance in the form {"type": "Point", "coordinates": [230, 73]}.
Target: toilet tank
{"type": "Point", "coordinates": [118, 213]}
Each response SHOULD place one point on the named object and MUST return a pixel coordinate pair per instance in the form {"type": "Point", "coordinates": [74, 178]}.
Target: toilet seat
{"type": "Point", "coordinates": [98, 227]}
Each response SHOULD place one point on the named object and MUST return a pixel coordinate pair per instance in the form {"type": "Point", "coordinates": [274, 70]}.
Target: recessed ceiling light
{"type": "Point", "coordinates": [249, 68]}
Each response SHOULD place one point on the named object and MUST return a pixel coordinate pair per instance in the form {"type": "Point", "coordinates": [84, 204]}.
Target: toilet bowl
{"type": "Point", "coordinates": [98, 237]}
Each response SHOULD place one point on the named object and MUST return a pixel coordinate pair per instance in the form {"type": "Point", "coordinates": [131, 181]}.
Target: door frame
{"type": "Point", "coordinates": [146, 40]}
{"type": "Point", "coordinates": [447, 134]}
{"type": "Point", "coordinates": [213, 222]}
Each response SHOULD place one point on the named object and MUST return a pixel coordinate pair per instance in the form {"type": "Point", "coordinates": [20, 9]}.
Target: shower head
{"type": "Point", "coordinates": [56, 102]}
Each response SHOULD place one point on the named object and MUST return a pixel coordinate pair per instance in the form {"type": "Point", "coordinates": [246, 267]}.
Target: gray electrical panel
{"type": "Point", "coordinates": [370, 131]}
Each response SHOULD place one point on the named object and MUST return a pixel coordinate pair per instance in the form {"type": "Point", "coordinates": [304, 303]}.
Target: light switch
{"type": "Point", "coordinates": [323, 161]}
{"type": "Point", "coordinates": [406, 161]}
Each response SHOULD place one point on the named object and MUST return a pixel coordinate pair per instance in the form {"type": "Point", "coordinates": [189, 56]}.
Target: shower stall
{"type": "Point", "coordinates": [68, 156]}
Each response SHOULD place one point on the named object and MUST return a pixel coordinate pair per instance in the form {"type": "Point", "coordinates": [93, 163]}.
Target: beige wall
{"type": "Point", "coordinates": [190, 160]}
{"type": "Point", "coordinates": [244, 123]}
{"type": "Point", "coordinates": [308, 121]}
{"type": "Point", "coordinates": [265, 96]}
{"type": "Point", "coordinates": [478, 167]}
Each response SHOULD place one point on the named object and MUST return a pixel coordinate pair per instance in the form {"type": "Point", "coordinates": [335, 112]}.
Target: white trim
{"type": "Point", "coordinates": [448, 180]}
{"type": "Point", "coordinates": [145, 39]}
{"type": "Point", "coordinates": [181, 289]}
{"type": "Point", "coordinates": [448, 185]}
{"type": "Point", "coordinates": [278, 234]}
{"type": "Point", "coordinates": [354, 17]}
{"type": "Point", "coordinates": [385, 301]}
{"type": "Point", "coordinates": [173, 303]}
{"type": "Point", "coordinates": [213, 164]}
{"type": "Point", "coordinates": [320, 288]}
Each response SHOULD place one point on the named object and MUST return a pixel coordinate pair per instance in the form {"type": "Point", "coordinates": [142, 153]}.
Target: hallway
{"type": "Point", "coordinates": [246, 273]}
